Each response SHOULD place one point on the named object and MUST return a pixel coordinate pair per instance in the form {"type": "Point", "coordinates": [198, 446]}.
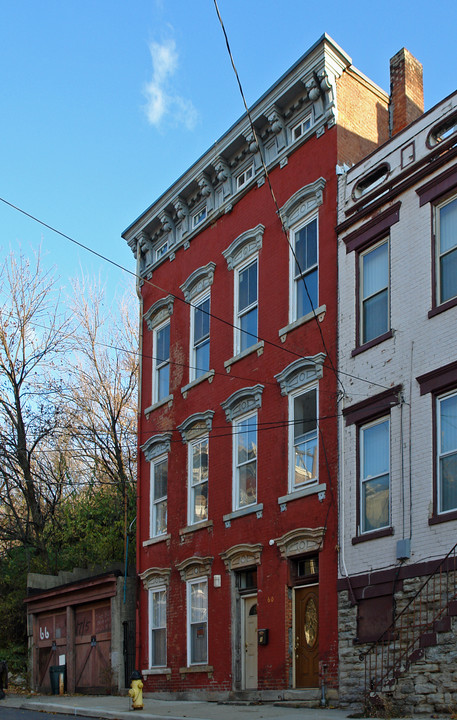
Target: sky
{"type": "Point", "coordinates": [106, 102]}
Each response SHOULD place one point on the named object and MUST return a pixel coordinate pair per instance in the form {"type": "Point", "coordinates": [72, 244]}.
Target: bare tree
{"type": "Point", "coordinates": [33, 428]}
{"type": "Point", "coordinates": [104, 391]}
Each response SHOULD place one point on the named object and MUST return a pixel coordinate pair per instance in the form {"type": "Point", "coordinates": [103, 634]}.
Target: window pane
{"type": "Point", "coordinates": [200, 462]}
{"type": "Point", "coordinates": [163, 382]}
{"type": "Point", "coordinates": [448, 418]}
{"type": "Point", "coordinates": [160, 479]}
{"type": "Point", "coordinates": [304, 305]}
{"type": "Point", "coordinates": [202, 358]}
{"type": "Point", "coordinates": [160, 512]}
{"type": "Point", "coordinates": [306, 459]}
{"type": "Point", "coordinates": [376, 450]}
{"type": "Point", "coordinates": [448, 266]}
{"type": "Point", "coordinates": [163, 344]}
{"type": "Point", "coordinates": [247, 439]}
{"type": "Point", "coordinates": [247, 286]}
{"type": "Point", "coordinates": [375, 503]}
{"type": "Point", "coordinates": [200, 503]}
{"type": "Point", "coordinates": [306, 247]}
{"type": "Point", "coordinates": [198, 603]}
{"type": "Point", "coordinates": [248, 324]}
{"type": "Point", "coordinates": [448, 482]}
{"type": "Point", "coordinates": [247, 484]}
{"type": "Point", "coordinates": [375, 270]}
{"type": "Point", "coordinates": [198, 643]}
{"type": "Point", "coordinates": [375, 320]}
{"type": "Point", "coordinates": [448, 226]}
{"type": "Point", "coordinates": [158, 647]}
{"type": "Point", "coordinates": [159, 616]}
{"type": "Point", "coordinates": [305, 413]}
{"type": "Point", "coordinates": [201, 321]}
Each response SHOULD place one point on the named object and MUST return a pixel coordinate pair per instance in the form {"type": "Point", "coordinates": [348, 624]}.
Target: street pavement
{"type": "Point", "coordinates": [115, 707]}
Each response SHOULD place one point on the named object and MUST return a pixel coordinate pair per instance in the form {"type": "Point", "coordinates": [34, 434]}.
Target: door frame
{"type": "Point", "coordinates": [302, 586]}
{"type": "Point", "coordinates": [243, 599]}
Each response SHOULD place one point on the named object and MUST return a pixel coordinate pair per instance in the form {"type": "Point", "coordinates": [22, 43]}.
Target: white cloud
{"type": "Point", "coordinates": [161, 101]}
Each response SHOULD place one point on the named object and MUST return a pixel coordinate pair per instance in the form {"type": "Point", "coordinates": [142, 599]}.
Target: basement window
{"type": "Point", "coordinates": [371, 181]}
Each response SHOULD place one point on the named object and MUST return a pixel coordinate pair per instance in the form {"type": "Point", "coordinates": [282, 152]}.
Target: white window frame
{"type": "Point", "coordinates": [243, 178]}
{"type": "Point", "coordinates": [239, 314]}
{"type": "Point", "coordinates": [293, 485]}
{"type": "Point", "coordinates": [439, 254]}
{"type": "Point", "coordinates": [160, 250]}
{"type": "Point", "coordinates": [200, 216]}
{"type": "Point", "coordinates": [363, 299]}
{"type": "Point", "coordinates": [155, 502]}
{"type": "Point", "coordinates": [196, 372]}
{"type": "Point", "coordinates": [295, 280]}
{"type": "Point", "coordinates": [153, 591]}
{"type": "Point", "coordinates": [440, 454]}
{"type": "Point", "coordinates": [236, 423]}
{"type": "Point", "coordinates": [157, 366]}
{"type": "Point", "coordinates": [298, 130]}
{"type": "Point", "coordinates": [193, 486]}
{"type": "Point", "coordinates": [363, 480]}
{"type": "Point", "coordinates": [190, 583]}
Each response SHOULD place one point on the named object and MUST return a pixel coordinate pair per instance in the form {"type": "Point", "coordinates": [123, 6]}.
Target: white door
{"type": "Point", "coordinates": [250, 643]}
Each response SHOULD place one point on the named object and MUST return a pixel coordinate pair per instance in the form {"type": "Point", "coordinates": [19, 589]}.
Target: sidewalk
{"type": "Point", "coordinates": [116, 707]}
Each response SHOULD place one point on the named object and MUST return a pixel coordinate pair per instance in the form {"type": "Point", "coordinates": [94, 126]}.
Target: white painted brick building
{"type": "Point", "coordinates": [398, 411]}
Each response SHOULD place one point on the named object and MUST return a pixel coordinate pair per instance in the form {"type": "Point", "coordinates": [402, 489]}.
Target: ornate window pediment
{"type": "Point", "coordinates": [242, 401]}
{"type": "Point", "coordinates": [153, 577]}
{"type": "Point", "coordinates": [156, 445]}
{"type": "Point", "coordinates": [300, 541]}
{"type": "Point", "coordinates": [198, 281]}
{"type": "Point", "coordinates": [300, 372]}
{"type": "Point", "coordinates": [304, 201]}
{"type": "Point", "coordinates": [245, 245]}
{"type": "Point", "coordinates": [195, 567]}
{"type": "Point", "coordinates": [160, 311]}
{"type": "Point", "coordinates": [241, 556]}
{"type": "Point", "coordinates": [195, 425]}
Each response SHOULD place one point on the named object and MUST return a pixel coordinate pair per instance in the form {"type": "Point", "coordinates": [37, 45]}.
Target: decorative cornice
{"type": "Point", "coordinates": [304, 201]}
{"type": "Point", "coordinates": [300, 541]}
{"type": "Point", "coordinates": [243, 555]}
{"type": "Point", "coordinates": [204, 183]}
{"type": "Point", "coordinates": [300, 372]}
{"type": "Point", "coordinates": [154, 576]}
{"type": "Point", "coordinates": [156, 445]}
{"type": "Point", "coordinates": [195, 425]}
{"type": "Point", "coordinates": [166, 221]}
{"type": "Point", "coordinates": [160, 311]}
{"type": "Point", "coordinates": [245, 245]}
{"type": "Point", "coordinates": [198, 281]}
{"type": "Point", "coordinates": [195, 567]}
{"type": "Point", "coordinates": [242, 401]}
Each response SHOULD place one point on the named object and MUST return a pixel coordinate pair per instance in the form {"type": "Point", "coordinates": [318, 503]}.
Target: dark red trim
{"type": "Point", "coordinates": [384, 532]}
{"type": "Point", "coordinates": [442, 517]}
{"type": "Point", "coordinates": [371, 343]}
{"type": "Point", "coordinates": [372, 407]}
{"type": "Point", "coordinates": [442, 308]}
{"type": "Point", "coordinates": [438, 186]}
{"type": "Point", "coordinates": [373, 230]}
{"type": "Point", "coordinates": [438, 380]}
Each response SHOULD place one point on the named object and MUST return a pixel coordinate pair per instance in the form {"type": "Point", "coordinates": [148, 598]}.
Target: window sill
{"type": "Point", "coordinates": [443, 517]}
{"type": "Point", "coordinates": [376, 341]}
{"type": "Point", "coordinates": [257, 508]}
{"type": "Point", "coordinates": [258, 347]}
{"type": "Point", "coordinates": [373, 535]}
{"type": "Point", "coordinates": [443, 307]}
{"type": "Point", "coordinates": [319, 313]}
{"type": "Point", "coordinates": [157, 405]}
{"type": "Point", "coordinates": [155, 540]}
{"type": "Point", "coordinates": [302, 492]}
{"type": "Point", "coordinates": [196, 669]}
{"type": "Point", "coordinates": [197, 526]}
{"type": "Point", "coordinates": [157, 671]}
{"type": "Point", "coordinates": [206, 376]}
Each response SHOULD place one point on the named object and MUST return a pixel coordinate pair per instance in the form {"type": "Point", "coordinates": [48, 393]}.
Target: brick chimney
{"type": "Point", "coordinates": [406, 91]}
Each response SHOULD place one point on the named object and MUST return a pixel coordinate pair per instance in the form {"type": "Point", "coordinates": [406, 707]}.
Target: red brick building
{"type": "Point", "coordinates": [237, 493]}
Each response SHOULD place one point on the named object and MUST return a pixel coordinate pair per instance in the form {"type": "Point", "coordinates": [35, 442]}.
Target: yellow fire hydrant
{"type": "Point", "coordinates": [136, 690]}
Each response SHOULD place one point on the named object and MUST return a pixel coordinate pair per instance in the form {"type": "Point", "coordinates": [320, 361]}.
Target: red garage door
{"type": "Point", "coordinates": [93, 648]}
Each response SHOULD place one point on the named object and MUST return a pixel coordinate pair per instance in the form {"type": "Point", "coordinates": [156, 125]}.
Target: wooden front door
{"type": "Point", "coordinates": [250, 643]}
{"type": "Point", "coordinates": [307, 636]}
